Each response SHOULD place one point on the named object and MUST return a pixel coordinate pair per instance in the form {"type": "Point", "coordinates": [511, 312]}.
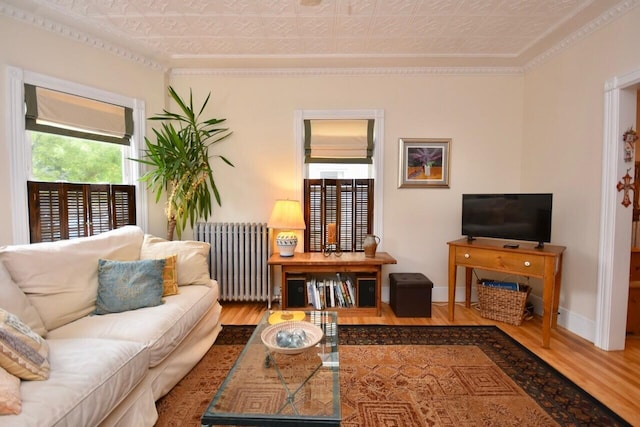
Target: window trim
{"type": "Point", "coordinates": [20, 150]}
{"type": "Point", "coordinates": [378, 152]}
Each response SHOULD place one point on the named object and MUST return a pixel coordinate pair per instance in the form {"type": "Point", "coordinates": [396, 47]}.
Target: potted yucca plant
{"type": "Point", "coordinates": [178, 163]}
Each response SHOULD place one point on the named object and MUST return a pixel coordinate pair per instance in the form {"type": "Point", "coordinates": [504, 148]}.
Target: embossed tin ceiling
{"type": "Point", "coordinates": [321, 33]}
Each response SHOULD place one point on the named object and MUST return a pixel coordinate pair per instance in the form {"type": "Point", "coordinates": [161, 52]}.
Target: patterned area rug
{"type": "Point", "coordinates": [417, 376]}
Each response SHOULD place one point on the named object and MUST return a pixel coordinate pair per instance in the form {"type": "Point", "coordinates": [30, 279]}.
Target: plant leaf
{"type": "Point", "coordinates": [178, 161]}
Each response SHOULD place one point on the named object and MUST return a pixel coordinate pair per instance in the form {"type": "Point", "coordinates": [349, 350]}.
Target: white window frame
{"type": "Point", "coordinates": [378, 149]}
{"type": "Point", "coordinates": [20, 149]}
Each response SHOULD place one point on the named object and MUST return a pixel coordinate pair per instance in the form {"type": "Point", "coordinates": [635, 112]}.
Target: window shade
{"type": "Point", "coordinates": [338, 141]}
{"type": "Point", "coordinates": [60, 113]}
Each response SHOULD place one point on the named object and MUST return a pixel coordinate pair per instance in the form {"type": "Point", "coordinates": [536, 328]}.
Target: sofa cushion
{"type": "Point", "coordinates": [16, 302]}
{"type": "Point", "coordinates": [192, 267]}
{"type": "Point", "coordinates": [61, 278]}
{"type": "Point", "coordinates": [23, 353]}
{"type": "Point", "coordinates": [89, 377]}
{"type": "Point", "coordinates": [160, 328]}
{"type": "Point", "coordinates": [128, 285]}
{"type": "Point", "coordinates": [10, 401]}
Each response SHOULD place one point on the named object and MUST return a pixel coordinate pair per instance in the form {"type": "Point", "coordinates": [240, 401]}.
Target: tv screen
{"type": "Point", "coordinates": [508, 216]}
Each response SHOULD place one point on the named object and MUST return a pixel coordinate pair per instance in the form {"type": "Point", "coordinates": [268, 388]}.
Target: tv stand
{"type": "Point", "coordinates": [526, 260]}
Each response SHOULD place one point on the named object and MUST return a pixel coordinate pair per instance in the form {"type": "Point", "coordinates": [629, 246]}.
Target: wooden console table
{"type": "Point", "coordinates": [300, 266]}
{"type": "Point", "coordinates": [525, 260]}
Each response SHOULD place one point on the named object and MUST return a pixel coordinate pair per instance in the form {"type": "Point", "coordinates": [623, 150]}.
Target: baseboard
{"type": "Point", "coordinates": [574, 323]}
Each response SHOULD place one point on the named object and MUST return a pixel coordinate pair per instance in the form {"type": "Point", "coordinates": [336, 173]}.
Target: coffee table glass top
{"type": "Point", "coordinates": [267, 388]}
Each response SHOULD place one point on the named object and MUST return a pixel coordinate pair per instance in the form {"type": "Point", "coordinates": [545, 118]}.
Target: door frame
{"type": "Point", "coordinates": [620, 102]}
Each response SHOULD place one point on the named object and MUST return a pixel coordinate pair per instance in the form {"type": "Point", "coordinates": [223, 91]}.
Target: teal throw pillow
{"type": "Point", "coordinates": [127, 285]}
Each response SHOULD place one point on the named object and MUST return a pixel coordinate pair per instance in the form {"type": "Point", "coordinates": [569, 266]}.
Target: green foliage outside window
{"type": "Point", "coordinates": [60, 158]}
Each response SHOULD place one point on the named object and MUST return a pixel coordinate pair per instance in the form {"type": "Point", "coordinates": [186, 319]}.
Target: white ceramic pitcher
{"type": "Point", "coordinates": [370, 245]}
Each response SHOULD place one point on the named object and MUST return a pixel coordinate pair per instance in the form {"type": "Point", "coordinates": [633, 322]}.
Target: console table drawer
{"type": "Point", "coordinates": [517, 263]}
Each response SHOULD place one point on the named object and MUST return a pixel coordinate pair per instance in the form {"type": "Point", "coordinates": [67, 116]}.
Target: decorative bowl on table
{"type": "Point", "coordinates": [292, 337]}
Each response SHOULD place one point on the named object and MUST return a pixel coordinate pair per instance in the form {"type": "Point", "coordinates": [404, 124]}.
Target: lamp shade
{"type": "Point", "coordinates": [286, 216]}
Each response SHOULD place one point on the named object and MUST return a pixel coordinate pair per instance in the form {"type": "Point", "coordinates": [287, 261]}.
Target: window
{"type": "Point", "coordinates": [340, 169]}
{"type": "Point", "coordinates": [80, 140]}
{"type": "Point", "coordinates": [63, 158]}
{"type": "Point", "coordinates": [71, 173]}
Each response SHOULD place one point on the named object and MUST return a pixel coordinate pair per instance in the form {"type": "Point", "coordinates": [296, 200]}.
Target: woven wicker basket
{"type": "Point", "coordinates": [503, 305]}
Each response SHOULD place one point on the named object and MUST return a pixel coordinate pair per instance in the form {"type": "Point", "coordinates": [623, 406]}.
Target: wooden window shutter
{"type": "Point", "coordinates": [313, 215]}
{"type": "Point", "coordinates": [123, 205]}
{"type": "Point", "coordinates": [362, 211]}
{"type": "Point", "coordinates": [66, 211]}
{"type": "Point", "coordinates": [100, 214]}
{"type": "Point", "coordinates": [73, 195]}
{"type": "Point", "coordinates": [346, 202]}
{"type": "Point", "coordinates": [46, 212]}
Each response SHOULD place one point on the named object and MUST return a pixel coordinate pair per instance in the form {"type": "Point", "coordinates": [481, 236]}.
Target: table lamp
{"type": "Point", "coordinates": [286, 217]}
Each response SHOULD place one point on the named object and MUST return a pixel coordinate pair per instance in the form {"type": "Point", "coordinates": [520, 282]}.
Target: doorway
{"type": "Point", "coordinates": [620, 105]}
{"type": "Point", "coordinates": [633, 306]}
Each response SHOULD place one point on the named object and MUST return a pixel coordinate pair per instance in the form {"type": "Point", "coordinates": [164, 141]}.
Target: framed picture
{"type": "Point", "coordinates": [424, 162]}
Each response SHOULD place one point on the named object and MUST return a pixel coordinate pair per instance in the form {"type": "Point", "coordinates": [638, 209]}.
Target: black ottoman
{"type": "Point", "coordinates": [410, 294]}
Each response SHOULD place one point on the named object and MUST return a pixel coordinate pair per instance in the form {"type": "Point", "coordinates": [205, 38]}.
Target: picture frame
{"type": "Point", "coordinates": [424, 162]}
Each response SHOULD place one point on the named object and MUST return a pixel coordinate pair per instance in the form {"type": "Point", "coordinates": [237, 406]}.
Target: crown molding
{"type": "Point", "coordinates": [277, 72]}
{"type": "Point", "coordinates": [65, 31]}
{"type": "Point", "coordinates": [606, 18]}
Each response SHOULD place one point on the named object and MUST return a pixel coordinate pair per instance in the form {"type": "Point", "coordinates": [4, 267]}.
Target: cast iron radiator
{"type": "Point", "coordinates": [238, 258]}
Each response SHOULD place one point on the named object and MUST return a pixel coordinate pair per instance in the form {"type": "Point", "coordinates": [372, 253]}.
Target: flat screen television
{"type": "Point", "coordinates": [523, 216]}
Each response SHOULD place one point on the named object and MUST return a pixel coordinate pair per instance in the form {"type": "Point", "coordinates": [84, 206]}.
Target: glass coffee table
{"type": "Point", "coordinates": [272, 389]}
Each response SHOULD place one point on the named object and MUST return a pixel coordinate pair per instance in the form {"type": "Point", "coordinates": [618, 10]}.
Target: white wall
{"type": "Point", "coordinates": [37, 50]}
{"type": "Point", "coordinates": [482, 114]}
{"type": "Point", "coordinates": [562, 151]}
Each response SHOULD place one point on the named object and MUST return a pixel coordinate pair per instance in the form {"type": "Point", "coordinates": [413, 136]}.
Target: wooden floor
{"type": "Point", "coordinates": [613, 377]}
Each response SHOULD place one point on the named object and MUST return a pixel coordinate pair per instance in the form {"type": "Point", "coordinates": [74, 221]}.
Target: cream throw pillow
{"type": "Point", "coordinates": [192, 266]}
{"type": "Point", "coordinates": [14, 300]}
{"type": "Point", "coordinates": [10, 400]}
{"type": "Point", "coordinates": [23, 353]}
{"type": "Point", "coordinates": [61, 278]}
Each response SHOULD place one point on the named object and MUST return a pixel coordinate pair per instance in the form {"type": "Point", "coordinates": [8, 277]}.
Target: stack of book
{"type": "Point", "coordinates": [328, 292]}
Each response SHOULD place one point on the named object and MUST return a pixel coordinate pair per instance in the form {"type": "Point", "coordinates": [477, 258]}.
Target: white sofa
{"type": "Point", "coordinates": [106, 369]}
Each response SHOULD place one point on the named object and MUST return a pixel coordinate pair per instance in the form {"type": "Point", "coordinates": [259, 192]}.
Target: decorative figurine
{"type": "Point", "coordinates": [629, 137]}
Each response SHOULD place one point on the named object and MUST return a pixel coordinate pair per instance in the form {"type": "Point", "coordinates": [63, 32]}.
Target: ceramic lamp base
{"type": "Point", "coordinates": [286, 242]}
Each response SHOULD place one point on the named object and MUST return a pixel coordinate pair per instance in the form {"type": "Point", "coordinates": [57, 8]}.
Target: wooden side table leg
{"type": "Point", "coordinates": [452, 282]}
{"type": "Point", "coordinates": [378, 291]}
{"type": "Point", "coordinates": [556, 293]}
{"type": "Point", "coordinates": [467, 286]}
{"type": "Point", "coordinates": [548, 293]}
